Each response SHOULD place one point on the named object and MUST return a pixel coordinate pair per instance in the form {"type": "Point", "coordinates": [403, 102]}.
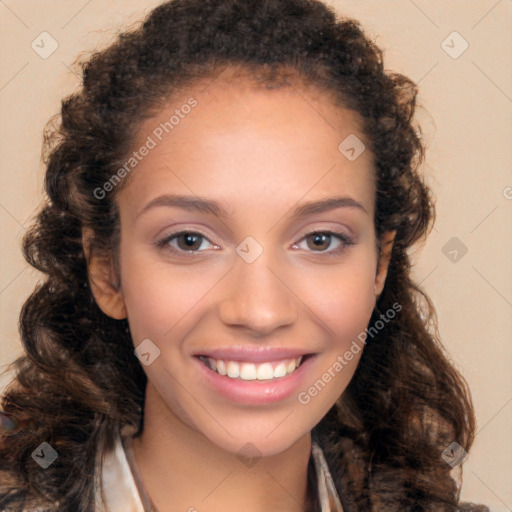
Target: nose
{"type": "Point", "coordinates": [259, 296]}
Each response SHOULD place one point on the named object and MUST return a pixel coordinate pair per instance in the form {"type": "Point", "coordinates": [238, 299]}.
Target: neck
{"type": "Point", "coordinates": [181, 470]}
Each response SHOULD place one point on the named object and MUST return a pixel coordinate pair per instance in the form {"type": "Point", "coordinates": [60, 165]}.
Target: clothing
{"type": "Point", "coordinates": [124, 492]}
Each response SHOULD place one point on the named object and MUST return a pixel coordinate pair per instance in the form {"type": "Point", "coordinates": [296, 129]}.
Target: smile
{"type": "Point", "coordinates": [241, 370]}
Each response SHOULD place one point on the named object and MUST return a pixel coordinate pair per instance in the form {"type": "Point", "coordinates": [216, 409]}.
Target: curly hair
{"type": "Point", "coordinates": [79, 379]}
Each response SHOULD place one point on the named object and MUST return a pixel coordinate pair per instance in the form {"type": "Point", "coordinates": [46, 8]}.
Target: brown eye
{"type": "Point", "coordinates": [319, 241]}
{"type": "Point", "coordinates": [183, 242]}
{"type": "Point", "coordinates": [191, 241]}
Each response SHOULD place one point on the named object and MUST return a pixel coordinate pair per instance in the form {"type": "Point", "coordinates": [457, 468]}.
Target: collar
{"type": "Point", "coordinates": [123, 490]}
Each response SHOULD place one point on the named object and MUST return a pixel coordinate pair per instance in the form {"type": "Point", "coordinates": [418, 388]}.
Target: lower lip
{"type": "Point", "coordinates": [256, 392]}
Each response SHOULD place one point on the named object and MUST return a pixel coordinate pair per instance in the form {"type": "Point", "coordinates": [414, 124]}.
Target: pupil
{"type": "Point", "coordinates": [319, 239]}
{"type": "Point", "coordinates": [190, 239]}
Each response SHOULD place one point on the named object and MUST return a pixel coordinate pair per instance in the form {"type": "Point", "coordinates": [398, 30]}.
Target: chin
{"type": "Point", "coordinates": [260, 436]}
{"type": "Point", "coordinates": [256, 446]}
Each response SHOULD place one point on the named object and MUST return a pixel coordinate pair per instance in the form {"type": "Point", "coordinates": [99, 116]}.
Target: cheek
{"type": "Point", "coordinates": [146, 296]}
{"type": "Point", "coordinates": [342, 301]}
{"type": "Point", "coordinates": [344, 309]}
{"type": "Point", "coordinates": [342, 298]}
{"type": "Point", "coordinates": [158, 295]}
{"type": "Point", "coordinates": [349, 310]}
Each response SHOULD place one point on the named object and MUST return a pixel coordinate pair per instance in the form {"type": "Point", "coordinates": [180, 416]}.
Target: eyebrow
{"type": "Point", "coordinates": [205, 205]}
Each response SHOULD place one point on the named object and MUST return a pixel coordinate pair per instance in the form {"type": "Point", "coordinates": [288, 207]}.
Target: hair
{"type": "Point", "coordinates": [79, 379]}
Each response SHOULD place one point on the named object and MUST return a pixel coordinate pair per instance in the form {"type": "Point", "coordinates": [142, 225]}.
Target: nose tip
{"type": "Point", "coordinates": [258, 298]}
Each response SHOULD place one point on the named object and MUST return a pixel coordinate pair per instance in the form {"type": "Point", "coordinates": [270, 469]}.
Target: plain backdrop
{"type": "Point", "coordinates": [460, 53]}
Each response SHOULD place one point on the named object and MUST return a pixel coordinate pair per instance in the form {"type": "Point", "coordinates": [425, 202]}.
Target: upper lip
{"type": "Point", "coordinates": [253, 354]}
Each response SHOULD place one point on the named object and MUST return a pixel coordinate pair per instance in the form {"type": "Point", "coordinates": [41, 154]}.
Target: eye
{"type": "Point", "coordinates": [320, 240]}
{"type": "Point", "coordinates": [187, 241]}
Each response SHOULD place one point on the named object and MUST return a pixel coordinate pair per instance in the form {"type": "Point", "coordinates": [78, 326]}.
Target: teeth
{"type": "Point", "coordinates": [281, 369]}
{"type": "Point", "coordinates": [248, 371]}
{"type": "Point", "coordinates": [291, 366]}
{"type": "Point", "coordinates": [265, 371]}
{"type": "Point", "coordinates": [221, 367]}
{"type": "Point", "coordinates": [233, 369]}
{"type": "Point", "coordinates": [251, 371]}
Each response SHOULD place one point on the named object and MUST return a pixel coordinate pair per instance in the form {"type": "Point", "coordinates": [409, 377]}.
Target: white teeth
{"type": "Point", "coordinates": [265, 371]}
{"type": "Point", "coordinates": [248, 371]}
{"type": "Point", "coordinates": [251, 371]}
{"type": "Point", "coordinates": [281, 369]}
{"type": "Point", "coordinates": [291, 366]}
{"type": "Point", "coordinates": [233, 369]}
{"type": "Point", "coordinates": [221, 367]}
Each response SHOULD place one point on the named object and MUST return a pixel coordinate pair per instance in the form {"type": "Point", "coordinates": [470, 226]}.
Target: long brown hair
{"type": "Point", "coordinates": [79, 378]}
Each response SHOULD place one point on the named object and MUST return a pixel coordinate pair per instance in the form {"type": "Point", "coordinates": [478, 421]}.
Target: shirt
{"type": "Point", "coordinates": [124, 492]}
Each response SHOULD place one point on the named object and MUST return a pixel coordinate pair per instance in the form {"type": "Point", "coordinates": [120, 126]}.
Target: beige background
{"type": "Point", "coordinates": [466, 106]}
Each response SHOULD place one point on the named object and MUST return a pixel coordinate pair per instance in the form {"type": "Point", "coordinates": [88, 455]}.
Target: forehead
{"type": "Point", "coordinates": [250, 142]}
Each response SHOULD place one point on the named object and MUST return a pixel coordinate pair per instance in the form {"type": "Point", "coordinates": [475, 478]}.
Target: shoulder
{"type": "Point", "coordinates": [471, 507]}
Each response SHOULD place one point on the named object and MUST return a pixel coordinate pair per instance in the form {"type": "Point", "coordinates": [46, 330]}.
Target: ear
{"type": "Point", "coordinates": [383, 264]}
{"type": "Point", "coordinates": [102, 280]}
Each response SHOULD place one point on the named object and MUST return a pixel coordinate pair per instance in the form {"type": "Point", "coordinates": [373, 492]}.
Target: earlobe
{"type": "Point", "coordinates": [102, 280]}
{"type": "Point", "coordinates": [387, 247]}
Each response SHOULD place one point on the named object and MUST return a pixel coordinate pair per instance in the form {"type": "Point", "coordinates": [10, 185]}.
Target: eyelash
{"type": "Point", "coordinates": [346, 241]}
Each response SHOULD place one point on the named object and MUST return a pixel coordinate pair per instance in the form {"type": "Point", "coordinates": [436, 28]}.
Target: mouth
{"type": "Point", "coordinates": [250, 371]}
{"type": "Point", "coordinates": [258, 376]}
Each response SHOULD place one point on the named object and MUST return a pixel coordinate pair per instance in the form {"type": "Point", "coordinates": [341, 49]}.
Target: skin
{"type": "Point", "coordinates": [260, 153]}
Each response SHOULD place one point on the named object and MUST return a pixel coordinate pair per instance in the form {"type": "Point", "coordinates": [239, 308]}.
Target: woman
{"type": "Point", "coordinates": [247, 367]}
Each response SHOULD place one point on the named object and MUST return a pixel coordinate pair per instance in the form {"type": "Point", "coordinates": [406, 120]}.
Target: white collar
{"type": "Point", "coordinates": [124, 493]}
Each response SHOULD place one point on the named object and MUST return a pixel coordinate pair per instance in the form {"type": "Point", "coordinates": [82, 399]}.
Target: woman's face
{"type": "Point", "coordinates": [253, 287]}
